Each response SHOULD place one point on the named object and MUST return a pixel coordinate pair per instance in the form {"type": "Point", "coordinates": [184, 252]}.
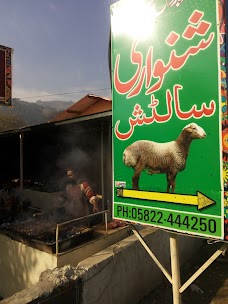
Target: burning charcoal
{"type": "Point", "coordinates": [42, 231]}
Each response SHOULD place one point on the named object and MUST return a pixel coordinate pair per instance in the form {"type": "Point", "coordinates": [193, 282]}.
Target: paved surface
{"type": "Point", "coordinates": [211, 287]}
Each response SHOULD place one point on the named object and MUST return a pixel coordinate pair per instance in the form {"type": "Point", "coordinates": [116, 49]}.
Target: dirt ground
{"type": "Point", "coordinates": [212, 283]}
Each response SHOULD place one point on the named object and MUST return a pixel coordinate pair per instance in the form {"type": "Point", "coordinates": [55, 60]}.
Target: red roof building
{"type": "Point", "coordinates": [90, 104]}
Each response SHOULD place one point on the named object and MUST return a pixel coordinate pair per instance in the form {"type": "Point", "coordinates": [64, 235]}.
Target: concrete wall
{"type": "Point", "coordinates": [121, 273]}
{"type": "Point", "coordinates": [55, 286]}
{"type": "Point", "coordinates": [100, 242]}
{"type": "Point", "coordinates": [125, 273]}
{"type": "Point", "coordinates": [20, 265]}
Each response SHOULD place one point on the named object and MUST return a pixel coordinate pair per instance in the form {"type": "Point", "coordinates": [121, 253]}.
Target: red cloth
{"type": "Point", "coordinates": [87, 190]}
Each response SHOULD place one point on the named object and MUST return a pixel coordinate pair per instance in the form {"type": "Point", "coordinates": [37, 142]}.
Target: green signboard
{"type": "Point", "coordinates": [167, 115]}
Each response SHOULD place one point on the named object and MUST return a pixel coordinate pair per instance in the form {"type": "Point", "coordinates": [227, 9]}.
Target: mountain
{"type": "Point", "coordinates": [57, 105]}
{"type": "Point", "coordinates": [23, 113]}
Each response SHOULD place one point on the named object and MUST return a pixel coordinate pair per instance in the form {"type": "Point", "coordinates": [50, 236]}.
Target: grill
{"type": "Point", "coordinates": [50, 233]}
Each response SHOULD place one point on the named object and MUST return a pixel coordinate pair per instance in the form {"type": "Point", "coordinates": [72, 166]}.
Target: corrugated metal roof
{"type": "Point", "coordinates": [90, 104]}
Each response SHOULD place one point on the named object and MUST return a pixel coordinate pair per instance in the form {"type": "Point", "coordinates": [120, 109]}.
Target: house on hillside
{"type": "Point", "coordinates": [90, 104]}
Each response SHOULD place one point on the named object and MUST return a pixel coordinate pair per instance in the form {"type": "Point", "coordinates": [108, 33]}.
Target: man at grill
{"type": "Point", "coordinates": [11, 201]}
{"type": "Point", "coordinates": [76, 195]}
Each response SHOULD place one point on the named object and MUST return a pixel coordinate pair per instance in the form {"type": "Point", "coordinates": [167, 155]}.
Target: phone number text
{"type": "Point", "coordinates": [195, 223]}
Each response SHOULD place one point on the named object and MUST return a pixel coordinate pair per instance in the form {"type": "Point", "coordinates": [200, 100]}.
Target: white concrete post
{"type": "Point", "coordinates": [175, 266]}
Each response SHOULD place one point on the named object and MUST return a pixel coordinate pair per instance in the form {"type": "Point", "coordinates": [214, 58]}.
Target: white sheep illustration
{"type": "Point", "coordinates": [169, 157]}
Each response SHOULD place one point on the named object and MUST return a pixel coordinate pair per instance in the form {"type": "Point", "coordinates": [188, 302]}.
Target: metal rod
{"type": "Point", "coordinates": [102, 164]}
{"type": "Point", "coordinates": [175, 266]}
{"type": "Point", "coordinates": [82, 218]}
{"type": "Point", "coordinates": [106, 222]}
{"type": "Point", "coordinates": [203, 267]}
{"type": "Point", "coordinates": [57, 240]}
{"type": "Point", "coordinates": [165, 272]}
{"type": "Point", "coordinates": [21, 162]}
{"type": "Point", "coordinates": [37, 209]}
{"type": "Point", "coordinates": [41, 214]}
{"type": "Point", "coordinates": [76, 220]}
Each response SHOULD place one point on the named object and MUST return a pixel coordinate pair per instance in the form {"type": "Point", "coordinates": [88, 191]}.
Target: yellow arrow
{"type": "Point", "coordinates": [199, 200]}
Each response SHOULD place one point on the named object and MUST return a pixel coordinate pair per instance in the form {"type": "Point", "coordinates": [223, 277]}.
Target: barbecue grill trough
{"type": "Point", "coordinates": [48, 233]}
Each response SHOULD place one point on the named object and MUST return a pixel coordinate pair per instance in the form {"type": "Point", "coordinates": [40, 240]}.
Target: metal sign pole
{"type": "Point", "coordinates": [174, 277]}
{"type": "Point", "coordinates": [21, 162]}
{"type": "Point", "coordinates": [162, 268]}
{"type": "Point", "coordinates": [175, 266]}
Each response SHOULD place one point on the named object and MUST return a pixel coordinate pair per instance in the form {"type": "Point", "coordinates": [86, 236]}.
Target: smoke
{"type": "Point", "coordinates": [75, 159]}
{"type": "Point", "coordinates": [50, 153]}
{"type": "Point", "coordinates": [80, 152]}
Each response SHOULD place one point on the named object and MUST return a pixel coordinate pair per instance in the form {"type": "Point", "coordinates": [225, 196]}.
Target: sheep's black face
{"type": "Point", "coordinates": [195, 131]}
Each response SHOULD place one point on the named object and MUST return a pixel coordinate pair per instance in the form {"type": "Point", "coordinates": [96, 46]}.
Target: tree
{"type": "Point", "coordinates": [10, 122]}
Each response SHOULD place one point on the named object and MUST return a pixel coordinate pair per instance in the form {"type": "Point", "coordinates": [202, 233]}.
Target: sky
{"type": "Point", "coordinates": [60, 46]}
